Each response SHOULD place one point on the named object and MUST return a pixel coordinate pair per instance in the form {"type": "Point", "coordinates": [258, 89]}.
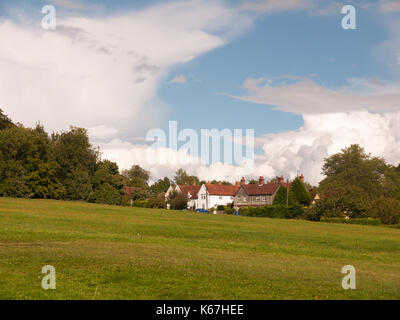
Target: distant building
{"type": "Point", "coordinates": [256, 195]}
{"type": "Point", "coordinates": [213, 195]}
{"type": "Point", "coordinates": [190, 191]}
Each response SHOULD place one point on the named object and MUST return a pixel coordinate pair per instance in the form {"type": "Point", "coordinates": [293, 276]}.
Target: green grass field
{"type": "Point", "coordinates": [105, 252]}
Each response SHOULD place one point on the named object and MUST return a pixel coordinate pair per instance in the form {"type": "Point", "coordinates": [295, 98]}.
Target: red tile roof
{"type": "Point", "coordinates": [264, 189]}
{"type": "Point", "coordinates": [193, 190]}
{"type": "Point", "coordinates": [221, 190]}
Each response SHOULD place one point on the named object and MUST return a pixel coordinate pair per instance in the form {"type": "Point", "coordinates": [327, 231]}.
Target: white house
{"type": "Point", "coordinates": [213, 195]}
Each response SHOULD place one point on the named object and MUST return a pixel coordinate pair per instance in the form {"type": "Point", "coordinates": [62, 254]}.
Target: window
{"type": "Point", "coordinates": [231, 197]}
{"type": "Point", "coordinates": [220, 198]}
{"type": "Point", "coordinates": [257, 199]}
{"type": "Point", "coordinates": [264, 198]}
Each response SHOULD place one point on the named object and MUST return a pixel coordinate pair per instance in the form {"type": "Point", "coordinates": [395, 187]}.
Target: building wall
{"type": "Point", "coordinates": [216, 200]}
{"type": "Point", "coordinates": [207, 201]}
{"type": "Point", "coordinates": [242, 199]}
{"type": "Point", "coordinates": [202, 198]}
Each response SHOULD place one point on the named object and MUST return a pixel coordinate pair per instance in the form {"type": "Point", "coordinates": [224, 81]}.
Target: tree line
{"type": "Point", "coordinates": [64, 165]}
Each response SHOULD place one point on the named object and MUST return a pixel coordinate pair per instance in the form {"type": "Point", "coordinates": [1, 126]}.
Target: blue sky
{"type": "Point", "coordinates": [285, 68]}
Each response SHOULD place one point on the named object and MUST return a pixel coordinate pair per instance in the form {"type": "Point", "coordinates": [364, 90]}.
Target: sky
{"type": "Point", "coordinates": [285, 68]}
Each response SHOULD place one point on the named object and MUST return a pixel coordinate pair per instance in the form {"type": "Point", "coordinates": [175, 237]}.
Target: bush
{"type": "Point", "coordinates": [274, 211]}
{"type": "Point", "coordinates": [140, 204]}
{"type": "Point", "coordinates": [157, 202]}
{"type": "Point", "coordinates": [107, 194]}
{"type": "Point", "coordinates": [386, 209]}
{"type": "Point", "coordinates": [220, 207]}
{"type": "Point", "coordinates": [229, 210]}
{"type": "Point", "coordinates": [362, 221]}
{"type": "Point", "coordinates": [178, 200]}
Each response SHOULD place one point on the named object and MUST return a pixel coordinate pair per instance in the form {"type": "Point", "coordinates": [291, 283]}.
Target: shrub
{"type": "Point", "coordinates": [107, 194]}
{"type": "Point", "coordinates": [386, 209]}
{"type": "Point", "coordinates": [177, 200]}
{"type": "Point", "coordinates": [229, 210]}
{"type": "Point", "coordinates": [140, 203]}
{"type": "Point", "coordinates": [274, 211]}
{"type": "Point", "coordinates": [220, 207]}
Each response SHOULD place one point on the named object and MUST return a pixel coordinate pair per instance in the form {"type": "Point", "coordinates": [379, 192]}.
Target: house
{"type": "Point", "coordinates": [190, 191]}
{"type": "Point", "coordinates": [256, 195]}
{"type": "Point", "coordinates": [213, 195]}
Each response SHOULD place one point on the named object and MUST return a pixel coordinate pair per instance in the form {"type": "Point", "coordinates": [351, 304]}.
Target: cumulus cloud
{"type": "Point", "coordinates": [304, 150]}
{"type": "Point", "coordinates": [287, 153]}
{"type": "Point", "coordinates": [304, 96]}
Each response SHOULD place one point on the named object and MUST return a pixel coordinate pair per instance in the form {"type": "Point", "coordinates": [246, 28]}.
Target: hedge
{"type": "Point", "coordinates": [274, 211]}
{"type": "Point", "coordinates": [362, 221]}
{"type": "Point", "coordinates": [140, 203]}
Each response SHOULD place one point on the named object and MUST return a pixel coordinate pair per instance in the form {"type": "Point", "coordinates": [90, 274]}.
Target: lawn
{"type": "Point", "coordinates": [106, 252]}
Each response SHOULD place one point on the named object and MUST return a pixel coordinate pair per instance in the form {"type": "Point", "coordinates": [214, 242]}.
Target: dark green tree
{"type": "Point", "coordinates": [299, 193]}
{"type": "Point", "coordinates": [160, 186]}
{"type": "Point", "coordinates": [181, 177]}
{"type": "Point", "coordinates": [281, 195]}
{"type": "Point", "coordinates": [5, 121]}
{"type": "Point", "coordinates": [136, 176]}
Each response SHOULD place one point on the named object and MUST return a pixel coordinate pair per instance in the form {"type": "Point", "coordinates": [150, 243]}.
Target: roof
{"type": "Point", "coordinates": [221, 190]}
{"type": "Point", "coordinates": [262, 189]}
{"type": "Point", "coordinates": [129, 190]}
{"type": "Point", "coordinates": [193, 190]}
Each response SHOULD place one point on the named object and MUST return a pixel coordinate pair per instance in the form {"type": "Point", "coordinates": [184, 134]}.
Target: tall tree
{"type": "Point", "coordinates": [299, 192]}
{"type": "Point", "coordinates": [181, 177]}
{"type": "Point", "coordinates": [136, 176]}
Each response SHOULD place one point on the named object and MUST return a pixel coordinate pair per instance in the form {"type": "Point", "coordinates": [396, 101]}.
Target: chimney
{"type": "Point", "coordinates": [302, 178]}
{"type": "Point", "coordinates": [242, 181]}
{"type": "Point", "coordinates": [237, 183]}
{"type": "Point", "coordinates": [219, 183]}
{"type": "Point", "coordinates": [280, 179]}
{"type": "Point", "coordinates": [261, 180]}
{"type": "Point", "coordinates": [195, 183]}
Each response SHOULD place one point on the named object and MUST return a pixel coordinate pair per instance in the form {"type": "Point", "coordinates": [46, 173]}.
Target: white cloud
{"type": "Point", "coordinates": [303, 150]}
{"type": "Point", "coordinates": [105, 71]}
{"type": "Point", "coordinates": [180, 79]}
{"type": "Point", "coordinates": [306, 97]}
{"type": "Point", "coordinates": [287, 153]}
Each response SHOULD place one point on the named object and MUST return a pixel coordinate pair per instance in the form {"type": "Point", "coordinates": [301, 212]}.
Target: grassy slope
{"type": "Point", "coordinates": [106, 252]}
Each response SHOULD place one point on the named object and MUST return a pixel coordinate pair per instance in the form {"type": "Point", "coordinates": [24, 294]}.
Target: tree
{"type": "Point", "coordinates": [5, 121]}
{"type": "Point", "coordinates": [77, 160]}
{"type": "Point", "coordinates": [177, 200]}
{"type": "Point", "coordinates": [299, 193]}
{"type": "Point", "coordinates": [107, 183]}
{"type": "Point", "coordinates": [162, 185]}
{"type": "Point", "coordinates": [106, 193]}
{"type": "Point", "coordinates": [353, 180]}
{"type": "Point", "coordinates": [181, 177]}
{"type": "Point", "coordinates": [281, 195]}
{"type": "Point", "coordinates": [386, 209]}
{"type": "Point", "coordinates": [137, 177]}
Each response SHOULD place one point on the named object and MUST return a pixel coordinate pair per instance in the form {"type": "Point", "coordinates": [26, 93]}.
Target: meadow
{"type": "Point", "coordinates": [111, 252]}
